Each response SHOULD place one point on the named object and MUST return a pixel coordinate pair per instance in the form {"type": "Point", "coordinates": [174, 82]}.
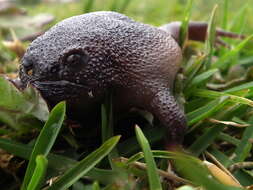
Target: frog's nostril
{"type": "Point", "coordinates": [27, 63]}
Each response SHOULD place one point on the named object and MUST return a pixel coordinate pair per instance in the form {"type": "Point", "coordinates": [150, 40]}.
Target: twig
{"type": "Point", "coordinates": [167, 175]}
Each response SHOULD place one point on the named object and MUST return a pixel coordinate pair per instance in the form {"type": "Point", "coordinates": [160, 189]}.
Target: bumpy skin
{"type": "Point", "coordinates": [138, 62]}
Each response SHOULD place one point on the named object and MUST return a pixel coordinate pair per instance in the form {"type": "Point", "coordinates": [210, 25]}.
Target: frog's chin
{"type": "Point", "coordinates": [56, 91]}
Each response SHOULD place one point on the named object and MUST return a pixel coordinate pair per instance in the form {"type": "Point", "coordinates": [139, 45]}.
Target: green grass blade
{"type": "Point", "coordinates": [205, 140]}
{"type": "Point", "coordinates": [225, 15]}
{"type": "Point", "coordinates": [24, 151]}
{"type": "Point", "coordinates": [85, 165]}
{"type": "Point", "coordinates": [192, 65]}
{"type": "Point", "coordinates": [185, 23]}
{"type": "Point", "coordinates": [191, 71]}
{"type": "Point", "coordinates": [95, 186]}
{"type": "Point", "coordinates": [244, 176]}
{"type": "Point", "coordinates": [215, 94]}
{"type": "Point", "coordinates": [211, 34]}
{"type": "Point", "coordinates": [46, 139]}
{"type": "Point", "coordinates": [130, 146]}
{"type": "Point", "coordinates": [222, 62]}
{"type": "Point", "coordinates": [107, 118]}
{"type": "Point", "coordinates": [207, 110]}
{"type": "Point", "coordinates": [248, 85]}
{"type": "Point", "coordinates": [56, 162]}
{"type": "Point", "coordinates": [39, 173]}
{"type": "Point", "coordinates": [221, 157]}
{"type": "Point", "coordinates": [154, 181]}
{"type": "Point", "coordinates": [243, 149]}
{"type": "Point", "coordinates": [238, 22]}
{"type": "Point", "coordinates": [229, 139]}
{"type": "Point", "coordinates": [203, 76]}
{"type": "Point", "coordinates": [136, 157]}
{"type": "Point", "coordinates": [212, 133]}
{"type": "Point", "coordinates": [107, 125]}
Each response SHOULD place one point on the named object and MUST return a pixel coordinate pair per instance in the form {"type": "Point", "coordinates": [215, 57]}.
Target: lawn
{"type": "Point", "coordinates": [42, 148]}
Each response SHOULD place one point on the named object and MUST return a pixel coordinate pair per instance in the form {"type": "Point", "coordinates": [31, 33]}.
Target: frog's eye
{"type": "Point", "coordinates": [28, 67]}
{"type": "Point", "coordinates": [74, 59]}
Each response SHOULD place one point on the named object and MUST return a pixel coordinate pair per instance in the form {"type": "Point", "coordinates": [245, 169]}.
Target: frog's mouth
{"type": "Point", "coordinates": [56, 91]}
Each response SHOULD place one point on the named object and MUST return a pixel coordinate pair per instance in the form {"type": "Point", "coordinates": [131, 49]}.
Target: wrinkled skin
{"type": "Point", "coordinates": [82, 58]}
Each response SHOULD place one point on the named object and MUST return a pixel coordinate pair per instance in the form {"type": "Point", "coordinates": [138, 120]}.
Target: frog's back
{"type": "Point", "coordinates": [132, 46]}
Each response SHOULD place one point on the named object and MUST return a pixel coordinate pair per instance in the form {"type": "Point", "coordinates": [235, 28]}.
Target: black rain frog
{"type": "Point", "coordinates": [83, 57]}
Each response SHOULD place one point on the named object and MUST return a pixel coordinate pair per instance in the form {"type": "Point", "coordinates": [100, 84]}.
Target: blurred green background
{"type": "Point", "coordinates": [147, 11]}
{"type": "Point", "coordinates": [151, 11]}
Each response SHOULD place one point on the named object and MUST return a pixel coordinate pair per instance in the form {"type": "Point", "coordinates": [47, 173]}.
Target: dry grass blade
{"type": "Point", "coordinates": [230, 123]}
{"type": "Point", "coordinates": [222, 176]}
{"type": "Point", "coordinates": [221, 166]}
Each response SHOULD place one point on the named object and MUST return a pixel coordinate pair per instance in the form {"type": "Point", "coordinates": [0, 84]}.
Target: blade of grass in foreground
{"type": "Point", "coordinates": [191, 168]}
{"type": "Point", "coordinates": [85, 165]}
{"type": "Point", "coordinates": [39, 173]}
{"type": "Point", "coordinates": [57, 163]}
{"type": "Point", "coordinates": [95, 186]}
{"type": "Point", "coordinates": [154, 181]}
{"type": "Point", "coordinates": [130, 146]}
{"type": "Point", "coordinates": [45, 140]}
{"type": "Point", "coordinates": [185, 23]}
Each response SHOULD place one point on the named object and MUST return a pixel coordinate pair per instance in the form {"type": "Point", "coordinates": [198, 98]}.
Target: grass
{"type": "Point", "coordinates": [216, 91]}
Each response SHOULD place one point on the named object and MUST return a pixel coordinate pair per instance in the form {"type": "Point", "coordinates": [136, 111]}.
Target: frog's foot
{"type": "Point", "coordinates": [197, 31]}
{"type": "Point", "coordinates": [222, 33]}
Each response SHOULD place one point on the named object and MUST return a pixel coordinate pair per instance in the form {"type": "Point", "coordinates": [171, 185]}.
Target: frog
{"type": "Point", "coordinates": [82, 58]}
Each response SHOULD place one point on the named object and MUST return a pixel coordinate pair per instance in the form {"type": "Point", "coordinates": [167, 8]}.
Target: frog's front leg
{"type": "Point", "coordinates": [164, 106]}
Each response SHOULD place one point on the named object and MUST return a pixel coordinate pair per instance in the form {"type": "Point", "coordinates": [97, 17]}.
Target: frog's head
{"type": "Point", "coordinates": [62, 63]}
